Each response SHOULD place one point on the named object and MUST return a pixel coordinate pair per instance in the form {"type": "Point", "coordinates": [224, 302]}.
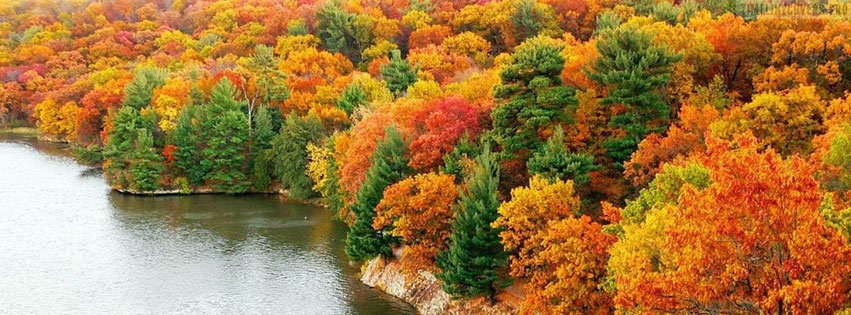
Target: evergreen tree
{"type": "Point", "coordinates": [138, 93]}
{"type": "Point", "coordinates": [226, 129]}
{"type": "Point", "coordinates": [262, 157]}
{"type": "Point", "coordinates": [666, 12]}
{"type": "Point", "coordinates": [552, 161]}
{"type": "Point", "coordinates": [352, 97]}
{"type": "Point", "coordinates": [607, 21]}
{"type": "Point", "coordinates": [388, 166]}
{"type": "Point", "coordinates": [635, 72]}
{"type": "Point", "coordinates": [336, 31]}
{"type": "Point", "coordinates": [453, 162]}
{"type": "Point", "coordinates": [398, 74]}
{"type": "Point", "coordinates": [531, 97]}
{"type": "Point", "coordinates": [289, 148]}
{"type": "Point", "coordinates": [297, 28]}
{"type": "Point", "coordinates": [332, 189]}
{"type": "Point", "coordinates": [265, 84]}
{"type": "Point", "coordinates": [146, 166]}
{"type": "Point", "coordinates": [527, 19]}
{"type": "Point", "coordinates": [120, 143]}
{"type": "Point", "coordinates": [474, 262]}
{"type": "Point", "coordinates": [187, 139]}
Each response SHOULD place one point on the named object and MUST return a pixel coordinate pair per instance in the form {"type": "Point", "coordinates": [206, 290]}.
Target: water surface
{"type": "Point", "coordinates": [70, 245]}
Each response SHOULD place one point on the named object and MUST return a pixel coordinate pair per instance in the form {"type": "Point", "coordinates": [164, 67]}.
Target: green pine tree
{"type": "Point", "coordinates": [552, 161]}
{"type": "Point", "coordinates": [528, 21]}
{"type": "Point", "coordinates": [531, 97]}
{"type": "Point", "coordinates": [187, 156]}
{"type": "Point", "coordinates": [352, 97]}
{"type": "Point", "coordinates": [635, 72]}
{"type": "Point", "coordinates": [226, 133]}
{"type": "Point", "coordinates": [453, 161]}
{"type": "Point", "coordinates": [332, 189]}
{"type": "Point", "coordinates": [138, 93]}
{"type": "Point", "coordinates": [335, 29]}
{"type": "Point", "coordinates": [474, 262]}
{"type": "Point", "coordinates": [119, 145]}
{"type": "Point", "coordinates": [146, 166]}
{"type": "Point", "coordinates": [262, 157]}
{"type": "Point", "coordinates": [398, 74]}
{"type": "Point", "coordinates": [388, 166]}
{"type": "Point", "coordinates": [289, 148]}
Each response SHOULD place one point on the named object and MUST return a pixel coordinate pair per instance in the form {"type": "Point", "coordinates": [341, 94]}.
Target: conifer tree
{"type": "Point", "coordinates": [335, 29]}
{"type": "Point", "coordinates": [227, 140]}
{"type": "Point", "coordinates": [398, 73]}
{"type": "Point", "coordinates": [289, 148]}
{"type": "Point", "coordinates": [186, 138]}
{"type": "Point", "coordinates": [262, 157]}
{"type": "Point", "coordinates": [552, 161]}
{"type": "Point", "coordinates": [531, 96]}
{"type": "Point", "coordinates": [138, 93]}
{"type": "Point", "coordinates": [145, 163]}
{"type": "Point", "coordinates": [120, 143]}
{"type": "Point", "coordinates": [635, 72]}
{"type": "Point", "coordinates": [473, 265]}
{"type": "Point", "coordinates": [388, 165]}
{"type": "Point", "coordinates": [352, 97]}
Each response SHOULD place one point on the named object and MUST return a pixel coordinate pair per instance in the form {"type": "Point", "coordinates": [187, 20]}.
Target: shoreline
{"type": "Point", "coordinates": [436, 303]}
{"type": "Point", "coordinates": [22, 131]}
{"type": "Point", "coordinates": [318, 202]}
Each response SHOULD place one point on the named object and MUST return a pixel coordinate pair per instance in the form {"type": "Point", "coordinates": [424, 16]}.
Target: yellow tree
{"type": "Point", "coordinates": [561, 255]}
{"type": "Point", "coordinates": [786, 120]}
{"type": "Point", "coordinates": [168, 100]}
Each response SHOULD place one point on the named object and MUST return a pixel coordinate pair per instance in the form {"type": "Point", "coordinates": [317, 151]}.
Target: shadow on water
{"type": "Point", "coordinates": [272, 226]}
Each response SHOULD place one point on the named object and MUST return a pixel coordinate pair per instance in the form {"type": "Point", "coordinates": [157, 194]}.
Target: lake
{"type": "Point", "coordinates": [69, 245]}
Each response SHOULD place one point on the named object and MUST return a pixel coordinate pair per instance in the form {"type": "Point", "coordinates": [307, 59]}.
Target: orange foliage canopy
{"type": "Point", "coordinates": [419, 211]}
{"type": "Point", "coordinates": [683, 138]}
{"type": "Point", "coordinates": [752, 241]}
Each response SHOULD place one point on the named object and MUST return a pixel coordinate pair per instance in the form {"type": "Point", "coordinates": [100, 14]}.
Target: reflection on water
{"type": "Point", "coordinates": [71, 246]}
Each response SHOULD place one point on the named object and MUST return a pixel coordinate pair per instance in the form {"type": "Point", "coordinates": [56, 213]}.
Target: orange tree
{"type": "Point", "coordinates": [747, 238]}
{"type": "Point", "coordinates": [418, 210]}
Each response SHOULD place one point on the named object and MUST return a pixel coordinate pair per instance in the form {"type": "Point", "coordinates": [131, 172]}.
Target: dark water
{"type": "Point", "coordinates": [69, 245]}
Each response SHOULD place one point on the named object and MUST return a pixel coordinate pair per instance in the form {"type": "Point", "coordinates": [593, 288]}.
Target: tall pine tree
{"type": "Point", "coordinates": [552, 161]}
{"type": "Point", "coordinates": [388, 166]}
{"type": "Point", "coordinates": [227, 144]}
{"type": "Point", "coordinates": [635, 71]}
{"type": "Point", "coordinates": [261, 151]}
{"type": "Point", "coordinates": [473, 265]}
{"type": "Point", "coordinates": [289, 148]}
{"type": "Point", "coordinates": [186, 136]}
{"type": "Point", "coordinates": [145, 163]}
{"type": "Point", "coordinates": [531, 97]}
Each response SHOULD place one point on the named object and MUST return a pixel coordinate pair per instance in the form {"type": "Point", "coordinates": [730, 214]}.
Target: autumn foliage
{"type": "Point", "coordinates": [608, 156]}
{"type": "Point", "coordinates": [419, 210]}
{"type": "Point", "coordinates": [752, 240]}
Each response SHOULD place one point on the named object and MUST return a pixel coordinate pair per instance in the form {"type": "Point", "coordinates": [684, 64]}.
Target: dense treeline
{"type": "Point", "coordinates": [638, 156]}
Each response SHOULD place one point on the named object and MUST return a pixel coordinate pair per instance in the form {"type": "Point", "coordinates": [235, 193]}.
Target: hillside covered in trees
{"type": "Point", "coordinates": [636, 156]}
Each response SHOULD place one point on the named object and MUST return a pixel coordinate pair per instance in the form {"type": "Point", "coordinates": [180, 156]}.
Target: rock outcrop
{"type": "Point", "coordinates": [423, 290]}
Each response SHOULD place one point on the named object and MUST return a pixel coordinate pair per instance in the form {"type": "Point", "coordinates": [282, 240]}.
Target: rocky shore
{"type": "Point", "coordinates": [423, 291]}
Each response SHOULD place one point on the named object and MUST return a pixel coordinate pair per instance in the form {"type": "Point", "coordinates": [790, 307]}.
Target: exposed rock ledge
{"type": "Point", "coordinates": [423, 290]}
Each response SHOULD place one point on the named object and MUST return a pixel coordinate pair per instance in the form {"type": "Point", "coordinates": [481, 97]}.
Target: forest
{"type": "Point", "coordinates": [607, 156]}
